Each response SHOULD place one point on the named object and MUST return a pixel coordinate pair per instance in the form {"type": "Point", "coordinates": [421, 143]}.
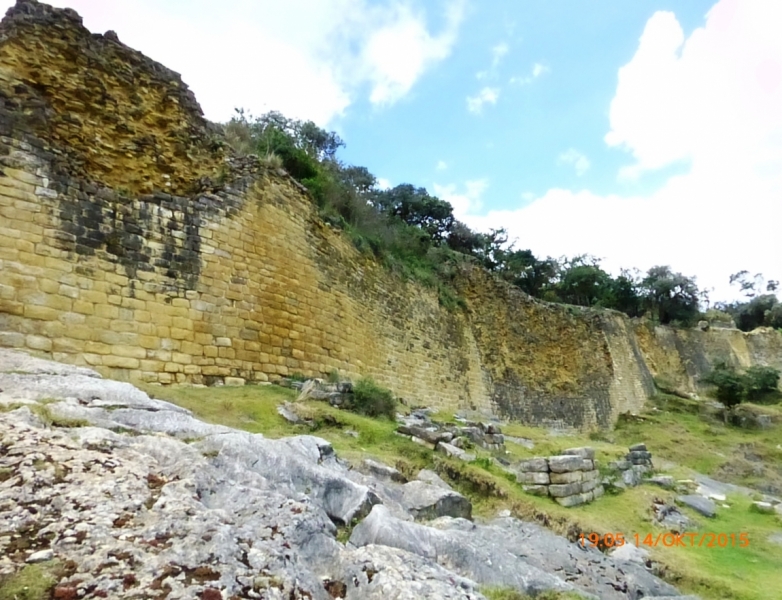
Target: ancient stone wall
{"type": "Point", "coordinates": [133, 241]}
{"type": "Point", "coordinates": [680, 358]}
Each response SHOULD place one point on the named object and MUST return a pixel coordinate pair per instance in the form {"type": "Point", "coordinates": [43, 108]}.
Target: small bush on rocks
{"type": "Point", "coordinates": [372, 400]}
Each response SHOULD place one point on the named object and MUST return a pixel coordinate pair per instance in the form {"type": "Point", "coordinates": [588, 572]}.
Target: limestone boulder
{"type": "Point", "coordinates": [426, 502]}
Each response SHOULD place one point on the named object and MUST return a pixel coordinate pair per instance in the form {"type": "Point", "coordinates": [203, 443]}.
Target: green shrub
{"type": "Point", "coordinates": [372, 400]}
{"type": "Point", "coordinates": [761, 383]}
{"type": "Point", "coordinates": [757, 384]}
{"type": "Point", "coordinates": [729, 385]}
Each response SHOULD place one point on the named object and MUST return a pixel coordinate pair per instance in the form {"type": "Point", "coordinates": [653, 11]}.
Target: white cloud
{"type": "Point", "coordinates": [464, 202]}
{"type": "Point", "coordinates": [441, 165]}
{"type": "Point", "coordinates": [397, 54]}
{"type": "Point", "coordinates": [307, 58]}
{"type": "Point", "coordinates": [486, 96]}
{"type": "Point", "coordinates": [383, 184]}
{"type": "Point", "coordinates": [497, 54]}
{"type": "Point", "coordinates": [713, 99]}
{"type": "Point", "coordinates": [537, 70]}
{"type": "Point", "coordinates": [575, 158]}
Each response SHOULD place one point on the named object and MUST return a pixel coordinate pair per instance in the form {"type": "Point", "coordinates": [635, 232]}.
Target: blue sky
{"type": "Point", "coordinates": [554, 69]}
{"type": "Point", "coordinates": [643, 132]}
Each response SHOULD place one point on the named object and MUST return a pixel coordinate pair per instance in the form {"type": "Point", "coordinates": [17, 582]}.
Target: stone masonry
{"type": "Point", "coordinates": [133, 241]}
{"type": "Point", "coordinates": [571, 478]}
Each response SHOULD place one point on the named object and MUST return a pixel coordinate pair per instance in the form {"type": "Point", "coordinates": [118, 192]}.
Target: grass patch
{"type": "Point", "coordinates": [252, 408]}
{"type": "Point", "coordinates": [494, 593]}
{"type": "Point", "coordinates": [32, 582]}
{"type": "Point", "coordinates": [51, 420]}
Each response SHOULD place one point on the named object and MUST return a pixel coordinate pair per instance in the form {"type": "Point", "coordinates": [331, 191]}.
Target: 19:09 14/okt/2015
{"type": "Point", "coordinates": [668, 540]}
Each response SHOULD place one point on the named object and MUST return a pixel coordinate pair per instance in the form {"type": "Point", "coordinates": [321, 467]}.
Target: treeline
{"type": "Point", "coordinates": [761, 307]}
{"type": "Point", "coordinates": [417, 235]}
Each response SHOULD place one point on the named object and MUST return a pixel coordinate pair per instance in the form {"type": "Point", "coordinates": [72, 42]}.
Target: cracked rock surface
{"type": "Point", "coordinates": [138, 499]}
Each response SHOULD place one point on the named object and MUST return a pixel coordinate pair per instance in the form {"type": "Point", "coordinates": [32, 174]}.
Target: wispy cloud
{"type": "Point", "coordinates": [466, 200]}
{"type": "Point", "coordinates": [486, 96]}
{"type": "Point", "coordinates": [398, 53]}
{"type": "Point", "coordinates": [537, 70]}
{"type": "Point", "coordinates": [498, 52]}
{"type": "Point", "coordinates": [575, 158]}
{"type": "Point", "coordinates": [339, 50]}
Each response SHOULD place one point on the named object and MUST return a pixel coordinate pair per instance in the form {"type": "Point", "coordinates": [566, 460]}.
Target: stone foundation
{"type": "Point", "coordinates": [571, 478]}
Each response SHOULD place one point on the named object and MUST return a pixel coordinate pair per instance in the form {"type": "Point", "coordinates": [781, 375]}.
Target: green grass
{"type": "Point", "coordinates": [251, 408]}
{"type": "Point", "coordinates": [678, 436]}
{"type": "Point", "coordinates": [51, 420]}
{"type": "Point", "coordinates": [32, 582]}
{"type": "Point", "coordinates": [510, 594]}
{"type": "Point", "coordinates": [712, 448]}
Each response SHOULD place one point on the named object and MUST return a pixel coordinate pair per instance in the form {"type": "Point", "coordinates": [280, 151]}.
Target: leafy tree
{"type": "Point", "coordinates": [492, 251]}
{"type": "Point", "coordinates": [582, 281]}
{"type": "Point", "coordinates": [416, 207]}
{"type": "Point", "coordinates": [672, 297]}
{"type": "Point", "coordinates": [773, 317]}
{"type": "Point", "coordinates": [530, 274]}
{"type": "Point", "coordinates": [623, 295]}
{"type": "Point", "coordinates": [753, 314]}
{"type": "Point", "coordinates": [463, 239]}
{"type": "Point", "coordinates": [729, 385]}
{"type": "Point", "coordinates": [753, 286]}
{"type": "Point", "coordinates": [760, 383]}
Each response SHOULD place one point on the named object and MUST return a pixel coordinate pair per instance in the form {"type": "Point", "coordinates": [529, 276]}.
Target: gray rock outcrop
{"type": "Point", "coordinates": [142, 500]}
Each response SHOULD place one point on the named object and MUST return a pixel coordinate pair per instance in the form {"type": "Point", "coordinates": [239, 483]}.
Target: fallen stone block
{"type": "Point", "coordinates": [763, 507]}
{"type": "Point", "coordinates": [380, 471]}
{"type": "Point", "coordinates": [426, 502]}
{"type": "Point", "coordinates": [638, 448]}
{"type": "Point", "coordinates": [450, 450]}
{"type": "Point", "coordinates": [432, 478]}
{"type": "Point", "coordinates": [664, 481]}
{"type": "Point", "coordinates": [699, 504]}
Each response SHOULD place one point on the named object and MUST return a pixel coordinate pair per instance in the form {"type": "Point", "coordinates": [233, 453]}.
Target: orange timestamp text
{"type": "Point", "coordinates": [667, 540]}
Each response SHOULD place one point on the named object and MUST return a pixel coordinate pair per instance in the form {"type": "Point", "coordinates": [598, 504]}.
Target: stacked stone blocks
{"type": "Point", "coordinates": [571, 478]}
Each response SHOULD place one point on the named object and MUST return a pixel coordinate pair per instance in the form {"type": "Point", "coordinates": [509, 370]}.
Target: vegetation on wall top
{"type": "Point", "coordinates": [418, 236]}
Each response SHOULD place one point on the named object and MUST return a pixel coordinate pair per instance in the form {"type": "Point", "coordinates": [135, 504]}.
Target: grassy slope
{"type": "Point", "coordinates": [749, 573]}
